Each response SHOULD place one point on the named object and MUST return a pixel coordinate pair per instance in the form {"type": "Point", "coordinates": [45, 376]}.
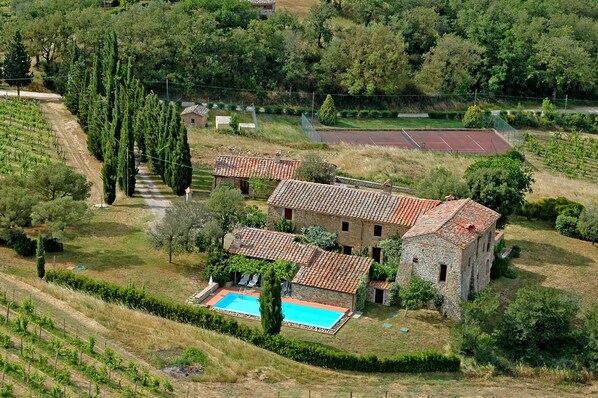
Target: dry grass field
{"type": "Point", "coordinates": [296, 7]}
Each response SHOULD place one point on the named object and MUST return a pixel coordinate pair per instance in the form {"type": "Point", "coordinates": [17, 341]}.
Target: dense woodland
{"type": "Point", "coordinates": [362, 47]}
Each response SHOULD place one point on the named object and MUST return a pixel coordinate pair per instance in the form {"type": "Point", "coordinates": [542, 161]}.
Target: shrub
{"type": "Point", "coordinates": [278, 110]}
{"type": "Point", "coordinates": [352, 113]}
{"type": "Point", "coordinates": [24, 246]}
{"type": "Point", "coordinates": [318, 236]}
{"type": "Point", "coordinates": [315, 169]}
{"type": "Point", "coordinates": [221, 105]}
{"type": "Point", "coordinates": [374, 114]}
{"type": "Point", "coordinates": [549, 209]}
{"type": "Point", "coordinates": [473, 117]}
{"type": "Point", "coordinates": [361, 294]}
{"type": "Point", "coordinates": [383, 273]}
{"type": "Point", "coordinates": [567, 225]}
{"type": "Point", "coordinates": [234, 121]}
{"type": "Point", "coordinates": [587, 226]}
{"type": "Point", "coordinates": [395, 297]}
{"type": "Point", "coordinates": [217, 266]}
{"type": "Point", "coordinates": [254, 217]}
{"type": "Point", "coordinates": [283, 225]}
{"type": "Point", "coordinates": [313, 354]}
{"type": "Point", "coordinates": [363, 114]}
{"type": "Point", "coordinates": [53, 245]}
{"type": "Point", "coordinates": [327, 113]}
{"type": "Point", "coordinates": [268, 109]}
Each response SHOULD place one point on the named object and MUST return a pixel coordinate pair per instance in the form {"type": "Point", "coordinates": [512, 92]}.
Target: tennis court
{"type": "Point", "coordinates": [485, 142]}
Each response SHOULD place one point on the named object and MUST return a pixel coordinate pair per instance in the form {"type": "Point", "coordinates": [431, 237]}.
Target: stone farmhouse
{"type": "Point", "coordinates": [237, 170]}
{"type": "Point", "coordinates": [266, 7]}
{"type": "Point", "coordinates": [323, 277]}
{"type": "Point", "coordinates": [452, 246]}
{"type": "Point", "coordinates": [195, 115]}
{"type": "Point", "coordinates": [360, 218]}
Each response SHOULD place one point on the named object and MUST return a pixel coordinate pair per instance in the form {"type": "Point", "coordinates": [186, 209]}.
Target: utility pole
{"type": "Point", "coordinates": [566, 99]}
{"type": "Point", "coordinates": [475, 98]}
{"type": "Point", "coordinates": [167, 96]}
{"type": "Point", "coordinates": [313, 103]}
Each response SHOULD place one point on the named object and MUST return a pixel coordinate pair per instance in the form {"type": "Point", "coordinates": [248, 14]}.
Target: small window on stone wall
{"type": "Point", "coordinates": [415, 260]}
{"type": "Point", "coordinates": [345, 226]}
{"type": "Point", "coordinates": [377, 230]}
{"type": "Point", "coordinates": [288, 214]}
{"type": "Point", "coordinates": [442, 275]}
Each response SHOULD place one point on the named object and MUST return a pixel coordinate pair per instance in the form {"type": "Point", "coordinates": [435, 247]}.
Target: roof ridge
{"type": "Point", "coordinates": [379, 193]}
{"type": "Point", "coordinates": [257, 157]}
{"type": "Point", "coordinates": [452, 215]}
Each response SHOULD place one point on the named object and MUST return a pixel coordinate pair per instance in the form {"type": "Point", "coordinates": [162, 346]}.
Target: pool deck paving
{"type": "Point", "coordinates": [221, 292]}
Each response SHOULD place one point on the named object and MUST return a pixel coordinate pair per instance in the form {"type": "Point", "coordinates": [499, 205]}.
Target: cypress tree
{"type": "Point", "coordinates": [171, 138]}
{"type": "Point", "coordinates": [126, 161]}
{"type": "Point", "coordinates": [95, 127]}
{"type": "Point", "coordinates": [84, 102]}
{"type": "Point", "coordinates": [139, 123]}
{"type": "Point", "coordinates": [271, 302]}
{"type": "Point", "coordinates": [109, 64]}
{"type": "Point", "coordinates": [182, 170]}
{"type": "Point", "coordinates": [17, 63]}
{"type": "Point", "coordinates": [40, 257]}
{"type": "Point", "coordinates": [109, 169]}
{"type": "Point", "coordinates": [74, 86]}
{"type": "Point", "coordinates": [151, 113]}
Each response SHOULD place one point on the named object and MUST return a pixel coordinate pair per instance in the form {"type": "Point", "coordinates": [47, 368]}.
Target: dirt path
{"type": "Point", "coordinates": [32, 95]}
{"type": "Point", "coordinates": [74, 143]}
{"type": "Point", "coordinates": [148, 191]}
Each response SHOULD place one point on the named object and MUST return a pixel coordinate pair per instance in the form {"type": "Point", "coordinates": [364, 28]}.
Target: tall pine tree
{"type": "Point", "coordinates": [17, 63]}
{"type": "Point", "coordinates": [40, 257]}
{"type": "Point", "coordinates": [152, 115]}
{"type": "Point", "coordinates": [75, 86]}
{"type": "Point", "coordinates": [271, 302]}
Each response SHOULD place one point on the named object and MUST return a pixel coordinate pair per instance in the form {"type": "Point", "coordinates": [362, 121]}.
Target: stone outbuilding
{"type": "Point", "coordinates": [195, 116]}
{"type": "Point", "coordinates": [237, 170]}
{"type": "Point", "coordinates": [452, 246]}
{"type": "Point", "coordinates": [323, 277]}
{"type": "Point", "coordinates": [378, 292]}
{"type": "Point", "coordinates": [360, 218]}
{"type": "Point", "coordinates": [266, 7]}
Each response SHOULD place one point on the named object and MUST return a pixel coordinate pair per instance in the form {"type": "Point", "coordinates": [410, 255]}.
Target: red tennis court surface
{"type": "Point", "coordinates": [465, 141]}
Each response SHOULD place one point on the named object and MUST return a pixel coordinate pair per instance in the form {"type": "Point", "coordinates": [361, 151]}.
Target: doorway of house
{"type": "Point", "coordinates": [379, 297]}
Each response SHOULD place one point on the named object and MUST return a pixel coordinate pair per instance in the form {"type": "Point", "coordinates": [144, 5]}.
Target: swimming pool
{"type": "Point", "coordinates": [296, 313]}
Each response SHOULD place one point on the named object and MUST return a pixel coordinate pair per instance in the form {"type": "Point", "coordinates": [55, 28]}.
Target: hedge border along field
{"type": "Point", "coordinates": [418, 362]}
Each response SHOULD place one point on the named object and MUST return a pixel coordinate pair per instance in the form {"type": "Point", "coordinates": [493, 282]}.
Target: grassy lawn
{"type": "Point", "coordinates": [551, 259]}
{"type": "Point", "coordinates": [428, 330]}
{"type": "Point", "coordinates": [395, 123]}
{"type": "Point", "coordinates": [114, 247]}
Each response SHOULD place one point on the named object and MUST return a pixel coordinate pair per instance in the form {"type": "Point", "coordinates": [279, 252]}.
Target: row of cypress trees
{"type": "Point", "coordinates": [117, 114]}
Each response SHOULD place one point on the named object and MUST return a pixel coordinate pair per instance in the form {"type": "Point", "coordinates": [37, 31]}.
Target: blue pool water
{"type": "Point", "coordinates": [296, 313]}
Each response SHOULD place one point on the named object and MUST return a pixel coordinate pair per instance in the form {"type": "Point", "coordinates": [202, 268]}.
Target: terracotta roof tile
{"type": "Point", "coordinates": [246, 167]}
{"type": "Point", "coordinates": [333, 271]}
{"type": "Point", "coordinates": [458, 221]}
{"type": "Point", "coordinates": [349, 202]}
{"type": "Point", "coordinates": [384, 285]}
{"type": "Point", "coordinates": [197, 109]}
{"type": "Point", "coordinates": [270, 245]}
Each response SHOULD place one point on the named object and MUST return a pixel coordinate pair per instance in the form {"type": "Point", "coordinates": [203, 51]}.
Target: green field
{"type": "Point", "coordinates": [26, 138]}
{"type": "Point", "coordinates": [395, 123]}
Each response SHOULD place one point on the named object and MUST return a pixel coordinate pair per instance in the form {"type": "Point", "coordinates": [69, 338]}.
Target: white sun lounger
{"type": "Point", "coordinates": [254, 280]}
{"type": "Point", "coordinates": [244, 280]}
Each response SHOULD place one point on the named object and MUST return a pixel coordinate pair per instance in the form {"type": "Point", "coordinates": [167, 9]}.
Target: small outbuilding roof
{"type": "Point", "coordinates": [262, 2]}
{"type": "Point", "coordinates": [318, 268]}
{"type": "Point", "coordinates": [333, 271]}
{"type": "Point", "coordinates": [196, 109]}
{"type": "Point", "coordinates": [246, 167]}
{"type": "Point", "coordinates": [349, 202]}
{"type": "Point", "coordinates": [457, 221]}
{"type": "Point", "coordinates": [270, 245]}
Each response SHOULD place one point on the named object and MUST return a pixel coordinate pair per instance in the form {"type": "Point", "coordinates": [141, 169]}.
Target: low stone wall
{"type": "Point", "coordinates": [323, 296]}
{"type": "Point", "coordinates": [204, 294]}
{"type": "Point", "coordinates": [371, 184]}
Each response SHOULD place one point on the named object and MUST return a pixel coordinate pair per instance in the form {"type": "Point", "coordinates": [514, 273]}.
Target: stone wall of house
{"type": "Point", "coordinates": [371, 296]}
{"type": "Point", "coordinates": [468, 270]}
{"type": "Point", "coordinates": [323, 296]}
{"type": "Point", "coordinates": [193, 120]}
{"type": "Point", "coordinates": [359, 235]}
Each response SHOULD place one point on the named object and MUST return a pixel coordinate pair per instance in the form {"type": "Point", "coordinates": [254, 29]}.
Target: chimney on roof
{"type": "Point", "coordinates": [277, 157]}
{"type": "Point", "coordinates": [387, 187]}
{"type": "Point", "coordinates": [448, 198]}
{"type": "Point", "coordinates": [470, 227]}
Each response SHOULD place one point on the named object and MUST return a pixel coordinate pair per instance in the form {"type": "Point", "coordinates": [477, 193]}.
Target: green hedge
{"type": "Point", "coordinates": [428, 361]}
{"type": "Point", "coordinates": [451, 115]}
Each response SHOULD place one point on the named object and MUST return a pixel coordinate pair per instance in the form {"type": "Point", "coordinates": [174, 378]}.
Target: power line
{"type": "Point", "coordinates": [307, 94]}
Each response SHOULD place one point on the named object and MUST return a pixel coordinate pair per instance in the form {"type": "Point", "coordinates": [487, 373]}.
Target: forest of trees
{"type": "Point", "coordinates": [363, 47]}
